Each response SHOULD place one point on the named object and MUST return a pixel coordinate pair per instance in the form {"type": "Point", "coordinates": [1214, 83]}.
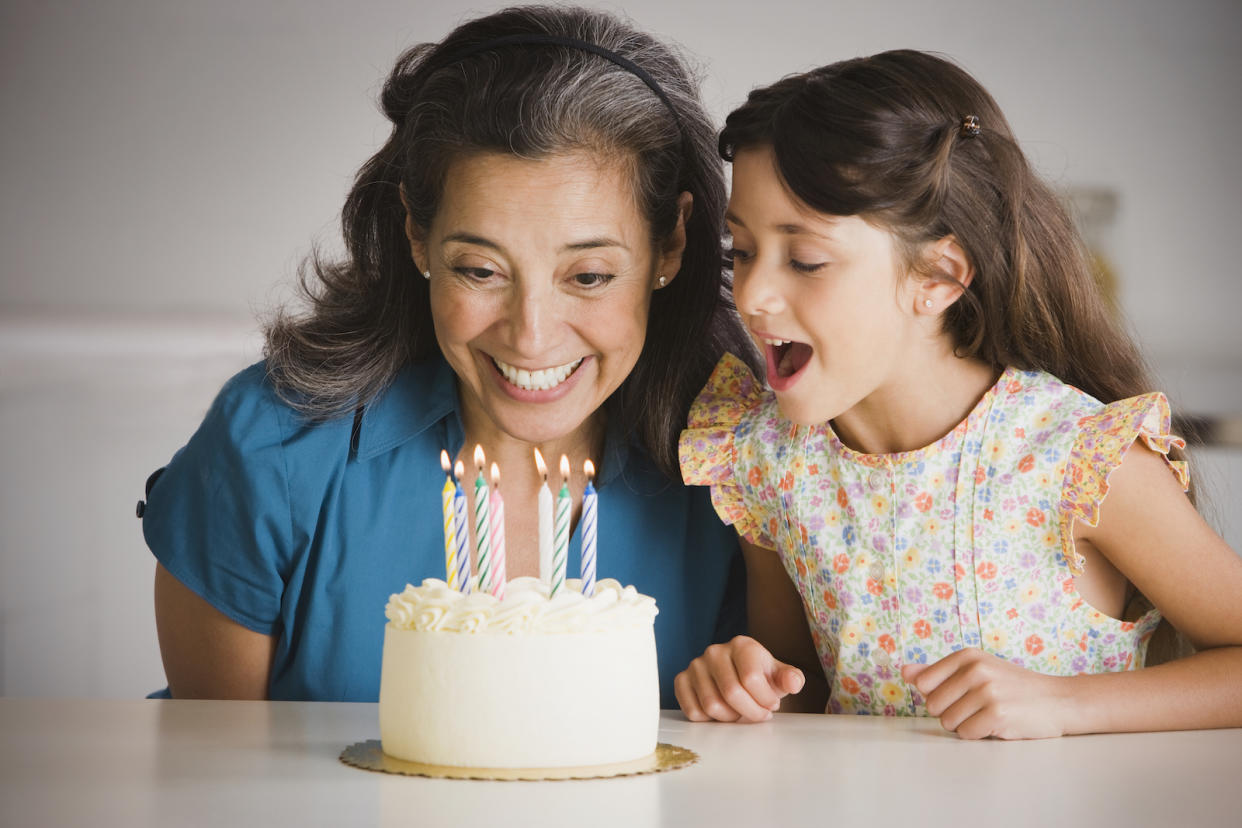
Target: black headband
{"type": "Point", "coordinates": [569, 42]}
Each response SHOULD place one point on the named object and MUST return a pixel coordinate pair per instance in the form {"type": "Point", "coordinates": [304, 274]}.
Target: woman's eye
{"type": "Point", "coordinates": [478, 274]}
{"type": "Point", "coordinates": [805, 267]}
{"type": "Point", "coordinates": [738, 255]}
{"type": "Point", "coordinates": [592, 279]}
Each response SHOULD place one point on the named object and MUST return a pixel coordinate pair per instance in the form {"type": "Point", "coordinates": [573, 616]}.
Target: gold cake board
{"type": "Point", "coordinates": [369, 755]}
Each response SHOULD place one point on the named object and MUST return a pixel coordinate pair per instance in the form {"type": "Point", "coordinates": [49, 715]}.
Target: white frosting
{"type": "Point", "coordinates": [526, 608]}
{"type": "Point", "coordinates": [525, 682]}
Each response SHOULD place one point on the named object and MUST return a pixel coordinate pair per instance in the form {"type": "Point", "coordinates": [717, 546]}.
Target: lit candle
{"type": "Point", "coordinates": [482, 523]}
{"type": "Point", "coordinates": [446, 499]}
{"type": "Point", "coordinates": [545, 520]}
{"type": "Point", "coordinates": [461, 533]}
{"type": "Point", "coordinates": [498, 536]}
{"type": "Point", "coordinates": [560, 542]}
{"type": "Point", "coordinates": [590, 504]}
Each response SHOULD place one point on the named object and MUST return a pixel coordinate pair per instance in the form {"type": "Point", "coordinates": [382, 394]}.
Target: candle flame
{"type": "Point", "coordinates": [589, 468]}
{"type": "Point", "coordinates": [564, 467]}
{"type": "Point", "coordinates": [459, 470]}
{"type": "Point", "coordinates": [444, 461]}
{"type": "Point", "coordinates": [495, 476]}
{"type": "Point", "coordinates": [478, 457]}
{"type": "Point", "coordinates": [539, 464]}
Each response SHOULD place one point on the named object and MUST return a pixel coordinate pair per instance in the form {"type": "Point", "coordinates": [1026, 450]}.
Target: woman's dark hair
{"type": "Point", "coordinates": [370, 314]}
{"type": "Point", "coordinates": [887, 138]}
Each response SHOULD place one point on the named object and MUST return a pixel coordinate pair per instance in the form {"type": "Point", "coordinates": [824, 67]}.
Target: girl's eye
{"type": "Point", "coordinates": [805, 267]}
{"type": "Point", "coordinates": [737, 255]}
{"type": "Point", "coordinates": [592, 279]}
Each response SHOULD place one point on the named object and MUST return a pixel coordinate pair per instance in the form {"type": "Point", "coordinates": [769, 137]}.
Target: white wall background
{"type": "Point", "coordinates": [165, 164]}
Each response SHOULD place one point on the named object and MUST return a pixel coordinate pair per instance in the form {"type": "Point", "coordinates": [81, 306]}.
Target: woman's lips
{"type": "Point", "coordinates": [539, 386]}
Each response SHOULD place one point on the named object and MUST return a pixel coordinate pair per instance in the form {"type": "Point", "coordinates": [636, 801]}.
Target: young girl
{"type": "Point", "coordinates": [951, 402]}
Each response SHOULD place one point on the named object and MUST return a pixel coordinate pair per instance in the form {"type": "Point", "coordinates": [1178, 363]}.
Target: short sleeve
{"type": "Point", "coordinates": [218, 518]}
{"type": "Point", "coordinates": [1103, 439]}
{"type": "Point", "coordinates": [708, 447]}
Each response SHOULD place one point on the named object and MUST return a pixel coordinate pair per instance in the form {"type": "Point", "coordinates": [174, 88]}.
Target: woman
{"type": "Point", "coordinates": [533, 262]}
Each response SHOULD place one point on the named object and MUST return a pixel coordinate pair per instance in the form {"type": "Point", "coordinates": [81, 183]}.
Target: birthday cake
{"type": "Point", "coordinates": [527, 681]}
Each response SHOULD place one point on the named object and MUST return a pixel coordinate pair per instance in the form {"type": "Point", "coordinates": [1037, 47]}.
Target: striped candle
{"type": "Point", "coordinates": [446, 500]}
{"type": "Point", "coordinates": [560, 532]}
{"type": "Point", "coordinates": [461, 533]}
{"type": "Point", "coordinates": [482, 523]}
{"type": "Point", "coordinates": [498, 537]}
{"type": "Point", "coordinates": [590, 508]}
{"type": "Point", "coordinates": [544, 504]}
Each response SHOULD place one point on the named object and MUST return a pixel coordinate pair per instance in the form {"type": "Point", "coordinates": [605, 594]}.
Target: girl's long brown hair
{"type": "Point", "coordinates": [885, 138]}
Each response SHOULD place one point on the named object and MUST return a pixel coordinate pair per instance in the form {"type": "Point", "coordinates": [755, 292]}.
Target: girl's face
{"type": "Point", "coordinates": [824, 296]}
{"type": "Point", "coordinates": [541, 278]}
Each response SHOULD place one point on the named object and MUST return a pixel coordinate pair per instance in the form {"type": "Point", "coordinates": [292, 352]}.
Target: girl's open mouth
{"type": "Point", "coordinates": [785, 359]}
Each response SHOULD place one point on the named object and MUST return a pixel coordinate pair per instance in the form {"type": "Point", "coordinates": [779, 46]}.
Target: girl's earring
{"type": "Point", "coordinates": [927, 303]}
{"type": "Point", "coordinates": [663, 281]}
{"type": "Point", "coordinates": [427, 274]}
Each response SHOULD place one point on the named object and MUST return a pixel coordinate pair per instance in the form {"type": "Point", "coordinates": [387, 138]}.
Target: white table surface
{"type": "Point", "coordinates": [173, 763]}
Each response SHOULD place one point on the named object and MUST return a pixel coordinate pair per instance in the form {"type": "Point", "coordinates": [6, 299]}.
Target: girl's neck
{"type": "Point", "coordinates": [922, 401]}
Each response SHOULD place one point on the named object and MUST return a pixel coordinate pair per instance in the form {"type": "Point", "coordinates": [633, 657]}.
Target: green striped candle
{"type": "Point", "coordinates": [560, 531]}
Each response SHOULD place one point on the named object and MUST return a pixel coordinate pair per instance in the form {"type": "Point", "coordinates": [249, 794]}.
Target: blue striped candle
{"type": "Point", "coordinates": [461, 578]}
{"type": "Point", "coordinates": [590, 510]}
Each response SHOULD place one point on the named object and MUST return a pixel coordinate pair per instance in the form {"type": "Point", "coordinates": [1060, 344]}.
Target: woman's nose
{"type": "Point", "coordinates": [756, 290]}
{"type": "Point", "coordinates": [531, 314]}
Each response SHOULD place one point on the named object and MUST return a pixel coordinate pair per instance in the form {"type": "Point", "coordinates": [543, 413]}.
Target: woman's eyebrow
{"type": "Point", "coordinates": [591, 244]}
{"type": "Point", "coordinates": [470, 238]}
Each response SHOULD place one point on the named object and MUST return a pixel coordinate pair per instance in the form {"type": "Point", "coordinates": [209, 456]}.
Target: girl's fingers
{"type": "Point", "coordinates": [926, 678]}
{"type": "Point", "coordinates": [687, 698]}
{"type": "Point", "coordinates": [965, 717]}
{"type": "Point", "coordinates": [734, 691]}
{"type": "Point", "coordinates": [711, 702]}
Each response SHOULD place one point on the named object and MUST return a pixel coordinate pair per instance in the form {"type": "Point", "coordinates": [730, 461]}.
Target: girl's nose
{"type": "Point", "coordinates": [756, 290]}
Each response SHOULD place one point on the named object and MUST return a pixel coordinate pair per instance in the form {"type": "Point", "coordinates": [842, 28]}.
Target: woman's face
{"type": "Point", "coordinates": [541, 276]}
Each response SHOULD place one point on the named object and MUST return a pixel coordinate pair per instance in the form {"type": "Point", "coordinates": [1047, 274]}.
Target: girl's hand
{"type": "Point", "coordinates": [976, 694]}
{"type": "Point", "coordinates": [738, 681]}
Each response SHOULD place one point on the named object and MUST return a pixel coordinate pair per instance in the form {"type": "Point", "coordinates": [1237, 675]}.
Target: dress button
{"type": "Point", "coordinates": [876, 480]}
{"type": "Point", "coordinates": [881, 657]}
{"type": "Point", "coordinates": [877, 571]}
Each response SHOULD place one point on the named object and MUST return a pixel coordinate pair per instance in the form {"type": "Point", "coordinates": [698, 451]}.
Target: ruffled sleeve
{"type": "Point", "coordinates": [708, 446]}
{"type": "Point", "coordinates": [1103, 439]}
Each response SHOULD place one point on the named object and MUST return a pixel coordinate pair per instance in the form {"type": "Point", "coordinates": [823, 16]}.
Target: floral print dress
{"type": "Point", "coordinates": [907, 557]}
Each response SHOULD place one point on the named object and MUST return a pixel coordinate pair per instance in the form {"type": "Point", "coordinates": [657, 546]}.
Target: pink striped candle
{"type": "Point", "coordinates": [498, 536]}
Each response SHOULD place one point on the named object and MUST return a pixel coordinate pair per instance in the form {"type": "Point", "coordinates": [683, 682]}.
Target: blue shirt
{"type": "Point", "coordinates": [301, 530]}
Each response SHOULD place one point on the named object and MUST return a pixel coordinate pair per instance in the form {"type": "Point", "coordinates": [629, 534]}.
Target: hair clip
{"type": "Point", "coordinates": [970, 126]}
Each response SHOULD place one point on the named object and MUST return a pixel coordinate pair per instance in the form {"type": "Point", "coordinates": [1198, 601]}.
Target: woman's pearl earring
{"type": "Point", "coordinates": [663, 281]}
{"type": "Point", "coordinates": [426, 274]}
{"type": "Point", "coordinates": [927, 303]}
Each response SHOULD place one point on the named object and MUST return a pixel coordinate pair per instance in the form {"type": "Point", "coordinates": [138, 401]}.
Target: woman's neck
{"type": "Point", "coordinates": [924, 399]}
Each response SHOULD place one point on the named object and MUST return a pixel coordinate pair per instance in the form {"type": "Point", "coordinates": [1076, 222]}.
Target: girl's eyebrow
{"type": "Point", "coordinates": [787, 229]}
{"type": "Point", "coordinates": [585, 244]}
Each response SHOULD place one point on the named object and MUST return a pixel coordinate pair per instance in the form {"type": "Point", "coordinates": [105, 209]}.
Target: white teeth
{"type": "Point", "coordinates": [776, 341]}
{"type": "Point", "coordinates": [539, 380]}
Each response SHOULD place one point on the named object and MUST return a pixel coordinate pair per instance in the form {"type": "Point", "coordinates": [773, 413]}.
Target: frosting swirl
{"type": "Point", "coordinates": [526, 608]}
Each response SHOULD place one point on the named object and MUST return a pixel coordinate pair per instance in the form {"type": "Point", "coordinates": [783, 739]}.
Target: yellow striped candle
{"type": "Point", "coordinates": [446, 498]}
